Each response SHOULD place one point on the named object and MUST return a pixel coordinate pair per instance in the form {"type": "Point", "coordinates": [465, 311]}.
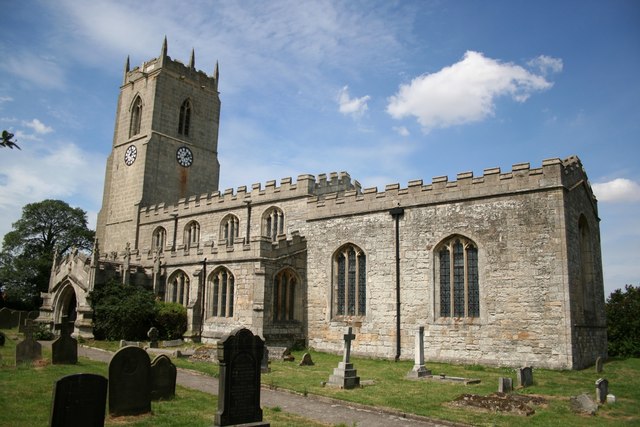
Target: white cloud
{"type": "Point", "coordinates": [617, 190]}
{"type": "Point", "coordinates": [546, 64]}
{"type": "Point", "coordinates": [401, 130]}
{"type": "Point", "coordinates": [355, 107]}
{"type": "Point", "coordinates": [37, 70]}
{"type": "Point", "coordinates": [38, 127]}
{"type": "Point", "coordinates": [463, 92]}
{"type": "Point", "coordinates": [5, 99]}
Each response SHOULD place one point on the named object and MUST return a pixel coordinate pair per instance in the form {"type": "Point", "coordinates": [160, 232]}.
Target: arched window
{"type": "Point", "coordinates": [136, 117]}
{"type": "Point", "coordinates": [158, 239]}
{"type": "Point", "coordinates": [220, 292]}
{"type": "Point", "coordinates": [586, 272]}
{"type": "Point", "coordinates": [178, 288]}
{"type": "Point", "coordinates": [273, 223]}
{"type": "Point", "coordinates": [229, 229]}
{"type": "Point", "coordinates": [458, 278]}
{"type": "Point", "coordinates": [284, 294]}
{"type": "Point", "coordinates": [192, 234]}
{"type": "Point", "coordinates": [349, 281]}
{"type": "Point", "coordinates": [184, 122]}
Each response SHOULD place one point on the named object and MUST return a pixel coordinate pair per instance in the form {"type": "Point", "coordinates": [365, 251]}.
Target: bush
{"type": "Point", "coordinates": [43, 333]}
{"type": "Point", "coordinates": [623, 322]}
{"type": "Point", "coordinates": [170, 319]}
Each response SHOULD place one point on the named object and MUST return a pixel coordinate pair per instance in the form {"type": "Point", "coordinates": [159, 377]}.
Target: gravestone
{"type": "Point", "coordinates": [306, 360]}
{"type": "Point", "coordinates": [599, 364]}
{"type": "Point", "coordinates": [22, 320]}
{"type": "Point", "coordinates": [153, 337]}
{"type": "Point", "coordinates": [344, 376]}
{"type": "Point", "coordinates": [5, 318]}
{"type": "Point", "coordinates": [2, 339]}
{"type": "Point", "coordinates": [129, 382]}
{"type": "Point", "coordinates": [419, 370]}
{"type": "Point", "coordinates": [602, 389]}
{"type": "Point", "coordinates": [173, 343]}
{"type": "Point", "coordinates": [583, 404]}
{"type": "Point", "coordinates": [505, 385]}
{"type": "Point", "coordinates": [15, 318]}
{"type": "Point", "coordinates": [163, 378]}
{"type": "Point", "coordinates": [525, 376]}
{"type": "Point", "coordinates": [239, 355]}
{"type": "Point", "coordinates": [264, 364]}
{"type": "Point", "coordinates": [64, 350]}
{"type": "Point", "coordinates": [79, 400]}
{"type": "Point", "coordinates": [124, 343]}
{"type": "Point", "coordinates": [29, 349]}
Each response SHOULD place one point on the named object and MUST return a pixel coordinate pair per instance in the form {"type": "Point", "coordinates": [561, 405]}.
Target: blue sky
{"type": "Point", "coordinates": [389, 91]}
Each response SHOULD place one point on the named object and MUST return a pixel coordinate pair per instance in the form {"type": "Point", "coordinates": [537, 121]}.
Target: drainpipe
{"type": "Point", "coordinates": [175, 231]}
{"type": "Point", "coordinates": [248, 202]}
{"type": "Point", "coordinates": [202, 293]}
{"type": "Point", "coordinates": [397, 213]}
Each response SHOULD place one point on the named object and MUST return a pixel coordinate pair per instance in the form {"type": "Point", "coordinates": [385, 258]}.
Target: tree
{"type": "Point", "coordinates": [27, 253]}
{"type": "Point", "coordinates": [7, 140]}
{"type": "Point", "coordinates": [623, 322]}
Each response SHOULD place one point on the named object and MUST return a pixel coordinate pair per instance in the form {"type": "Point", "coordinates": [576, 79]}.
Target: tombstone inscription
{"type": "Point", "coordinates": [64, 350]}
{"type": "Point", "coordinates": [79, 400]}
{"type": "Point", "coordinates": [129, 382]}
{"type": "Point", "coordinates": [29, 349]}
{"type": "Point", "coordinates": [163, 378]}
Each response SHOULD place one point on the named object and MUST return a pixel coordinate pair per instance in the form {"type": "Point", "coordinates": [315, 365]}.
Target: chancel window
{"type": "Point", "coordinates": [350, 281]}
{"type": "Point", "coordinates": [284, 294]}
{"type": "Point", "coordinates": [458, 278]}
{"type": "Point", "coordinates": [184, 122]}
{"type": "Point", "coordinates": [220, 292]}
{"type": "Point", "coordinates": [136, 117]}
{"type": "Point", "coordinates": [192, 234]}
{"type": "Point", "coordinates": [178, 288]}
{"type": "Point", "coordinates": [229, 229]}
{"type": "Point", "coordinates": [158, 239]}
{"type": "Point", "coordinates": [273, 223]}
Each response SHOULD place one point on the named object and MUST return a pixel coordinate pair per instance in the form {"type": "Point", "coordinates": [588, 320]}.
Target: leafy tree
{"type": "Point", "coordinates": [7, 138]}
{"type": "Point", "coordinates": [623, 322]}
{"type": "Point", "coordinates": [27, 252]}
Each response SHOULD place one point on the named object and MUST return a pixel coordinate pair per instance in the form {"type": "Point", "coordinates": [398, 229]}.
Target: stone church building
{"type": "Point", "coordinates": [500, 269]}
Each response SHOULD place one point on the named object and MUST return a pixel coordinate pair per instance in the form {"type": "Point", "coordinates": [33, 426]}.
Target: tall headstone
{"type": "Point", "coordinates": [599, 364]}
{"type": "Point", "coordinates": [64, 350]}
{"type": "Point", "coordinates": [5, 318]}
{"type": "Point", "coordinates": [239, 356]}
{"type": "Point", "coordinates": [419, 370]}
{"type": "Point", "coordinates": [345, 376]}
{"type": "Point", "coordinates": [79, 400]}
{"type": "Point", "coordinates": [525, 376]}
{"type": "Point", "coordinates": [29, 349]}
{"type": "Point", "coordinates": [163, 378]}
{"type": "Point", "coordinates": [129, 382]}
{"type": "Point", "coordinates": [602, 389]}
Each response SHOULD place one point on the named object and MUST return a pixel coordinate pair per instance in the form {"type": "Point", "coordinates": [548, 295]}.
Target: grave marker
{"type": "Point", "coordinates": [599, 365]}
{"type": "Point", "coordinates": [163, 378]}
{"type": "Point", "coordinates": [344, 376]}
{"type": "Point", "coordinates": [153, 337]}
{"type": "Point", "coordinates": [306, 360]}
{"type": "Point", "coordinates": [5, 318]}
{"type": "Point", "coordinates": [419, 370]}
{"type": "Point", "coordinates": [22, 321]}
{"type": "Point", "coordinates": [129, 382]}
{"type": "Point", "coordinates": [64, 350]}
{"type": "Point", "coordinates": [525, 376]}
{"type": "Point", "coordinates": [505, 385]}
{"type": "Point", "coordinates": [2, 339]}
{"type": "Point", "coordinates": [79, 400]}
{"type": "Point", "coordinates": [602, 389]}
{"type": "Point", "coordinates": [264, 364]}
{"type": "Point", "coordinates": [29, 349]}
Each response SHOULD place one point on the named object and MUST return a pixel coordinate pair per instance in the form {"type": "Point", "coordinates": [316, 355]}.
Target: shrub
{"type": "Point", "coordinates": [623, 322]}
{"type": "Point", "coordinates": [170, 319]}
{"type": "Point", "coordinates": [43, 333]}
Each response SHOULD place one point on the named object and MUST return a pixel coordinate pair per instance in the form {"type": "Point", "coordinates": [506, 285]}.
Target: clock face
{"type": "Point", "coordinates": [184, 156]}
{"type": "Point", "coordinates": [130, 155]}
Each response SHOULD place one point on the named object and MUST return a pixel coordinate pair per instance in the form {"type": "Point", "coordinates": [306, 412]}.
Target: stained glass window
{"type": "Point", "coordinates": [458, 279]}
{"type": "Point", "coordinates": [350, 268]}
{"type": "Point", "coordinates": [221, 285]}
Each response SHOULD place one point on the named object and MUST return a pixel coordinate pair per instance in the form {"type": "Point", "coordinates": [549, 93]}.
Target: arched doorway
{"type": "Point", "coordinates": [67, 304]}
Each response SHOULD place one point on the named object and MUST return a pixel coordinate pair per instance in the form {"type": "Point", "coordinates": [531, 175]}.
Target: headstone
{"type": "Point", "coordinates": [163, 378]}
{"type": "Point", "coordinates": [419, 370]}
{"type": "Point", "coordinates": [583, 404]}
{"type": "Point", "coordinates": [29, 349]}
{"type": "Point", "coordinates": [5, 318]}
{"type": "Point", "coordinates": [79, 400]}
{"type": "Point", "coordinates": [602, 389]}
{"type": "Point", "coordinates": [239, 355]}
{"type": "Point", "coordinates": [505, 385]}
{"type": "Point", "coordinates": [611, 399]}
{"type": "Point", "coordinates": [15, 318]}
{"type": "Point", "coordinates": [2, 339]}
{"type": "Point", "coordinates": [172, 343]}
{"type": "Point", "coordinates": [306, 360]}
{"type": "Point", "coordinates": [264, 365]}
{"type": "Point", "coordinates": [22, 320]}
{"type": "Point", "coordinates": [599, 364]}
{"type": "Point", "coordinates": [64, 350]}
{"type": "Point", "coordinates": [124, 343]}
{"type": "Point", "coordinates": [278, 353]}
{"type": "Point", "coordinates": [153, 337]}
{"type": "Point", "coordinates": [344, 376]}
{"type": "Point", "coordinates": [129, 382]}
{"type": "Point", "coordinates": [525, 376]}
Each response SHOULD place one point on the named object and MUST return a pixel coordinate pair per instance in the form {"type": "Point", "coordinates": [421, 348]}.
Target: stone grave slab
{"type": "Point", "coordinates": [5, 318]}
{"type": "Point", "coordinates": [163, 378]}
{"type": "Point", "coordinates": [64, 350]}
{"type": "Point", "coordinates": [172, 343]}
{"type": "Point", "coordinates": [29, 349]}
{"type": "Point", "coordinates": [124, 343]}
{"type": "Point", "coordinates": [239, 356]}
{"type": "Point", "coordinates": [79, 400]}
{"type": "Point", "coordinates": [129, 382]}
{"type": "Point", "coordinates": [583, 404]}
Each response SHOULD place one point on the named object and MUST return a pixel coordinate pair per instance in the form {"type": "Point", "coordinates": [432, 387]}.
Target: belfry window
{"type": "Point", "coordinates": [229, 229]}
{"type": "Point", "coordinates": [191, 234]}
{"type": "Point", "coordinates": [178, 288]}
{"type": "Point", "coordinates": [458, 278]}
{"type": "Point", "coordinates": [350, 281]}
{"type": "Point", "coordinates": [284, 293]}
{"type": "Point", "coordinates": [220, 292]}
{"type": "Point", "coordinates": [184, 122]}
{"type": "Point", "coordinates": [136, 117]}
{"type": "Point", "coordinates": [158, 239]}
{"type": "Point", "coordinates": [273, 223]}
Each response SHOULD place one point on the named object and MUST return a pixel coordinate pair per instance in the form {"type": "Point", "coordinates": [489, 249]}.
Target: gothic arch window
{"type": "Point", "coordinates": [184, 122]}
{"type": "Point", "coordinates": [229, 229]}
{"type": "Point", "coordinates": [284, 295]}
{"type": "Point", "coordinates": [178, 288]}
{"type": "Point", "coordinates": [158, 239]}
{"type": "Point", "coordinates": [587, 293]}
{"type": "Point", "coordinates": [458, 282]}
{"type": "Point", "coordinates": [273, 223]}
{"type": "Point", "coordinates": [136, 117]}
{"type": "Point", "coordinates": [349, 281]}
{"type": "Point", "coordinates": [220, 293]}
{"type": "Point", "coordinates": [191, 234]}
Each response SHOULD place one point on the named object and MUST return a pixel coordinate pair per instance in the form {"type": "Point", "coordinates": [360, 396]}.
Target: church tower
{"type": "Point", "coordinates": [165, 144]}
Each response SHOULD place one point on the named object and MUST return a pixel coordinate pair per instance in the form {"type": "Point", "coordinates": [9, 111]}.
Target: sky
{"type": "Point", "coordinates": [389, 91]}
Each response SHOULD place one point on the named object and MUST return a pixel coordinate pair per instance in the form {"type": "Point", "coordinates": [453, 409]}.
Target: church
{"type": "Point", "coordinates": [500, 269]}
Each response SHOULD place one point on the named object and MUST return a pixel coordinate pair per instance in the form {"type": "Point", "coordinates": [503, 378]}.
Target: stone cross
{"type": "Point", "coordinates": [419, 370]}
{"type": "Point", "coordinates": [348, 337]}
{"type": "Point", "coordinates": [29, 329]}
{"type": "Point", "coordinates": [66, 327]}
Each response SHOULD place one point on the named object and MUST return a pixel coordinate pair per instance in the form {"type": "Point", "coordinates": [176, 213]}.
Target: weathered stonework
{"type": "Point", "coordinates": [536, 230]}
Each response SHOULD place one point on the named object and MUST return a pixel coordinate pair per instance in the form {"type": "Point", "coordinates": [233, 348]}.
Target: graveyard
{"type": "Point", "coordinates": [26, 396]}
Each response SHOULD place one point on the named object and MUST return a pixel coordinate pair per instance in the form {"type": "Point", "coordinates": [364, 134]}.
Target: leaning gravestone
{"type": "Point", "coordinates": [79, 400]}
{"type": "Point", "coordinates": [602, 389]}
{"type": "Point", "coordinates": [344, 376]}
{"type": "Point", "coordinates": [5, 318]}
{"type": "Point", "coordinates": [163, 378]}
{"type": "Point", "coordinates": [29, 349]}
{"type": "Point", "coordinates": [129, 382]}
{"type": "Point", "coordinates": [239, 355]}
{"type": "Point", "coordinates": [64, 350]}
{"type": "Point", "coordinates": [525, 376]}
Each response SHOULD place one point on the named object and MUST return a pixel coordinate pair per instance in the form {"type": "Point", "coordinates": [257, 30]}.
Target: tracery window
{"type": "Point", "coordinates": [178, 288]}
{"type": "Point", "coordinates": [284, 294]}
{"type": "Point", "coordinates": [458, 278]}
{"type": "Point", "coordinates": [229, 229]}
{"type": "Point", "coordinates": [192, 234]}
{"type": "Point", "coordinates": [220, 292]}
{"type": "Point", "coordinates": [350, 281]}
{"type": "Point", "coordinates": [184, 122]}
{"type": "Point", "coordinates": [158, 239]}
{"type": "Point", "coordinates": [273, 223]}
{"type": "Point", "coordinates": [136, 117]}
